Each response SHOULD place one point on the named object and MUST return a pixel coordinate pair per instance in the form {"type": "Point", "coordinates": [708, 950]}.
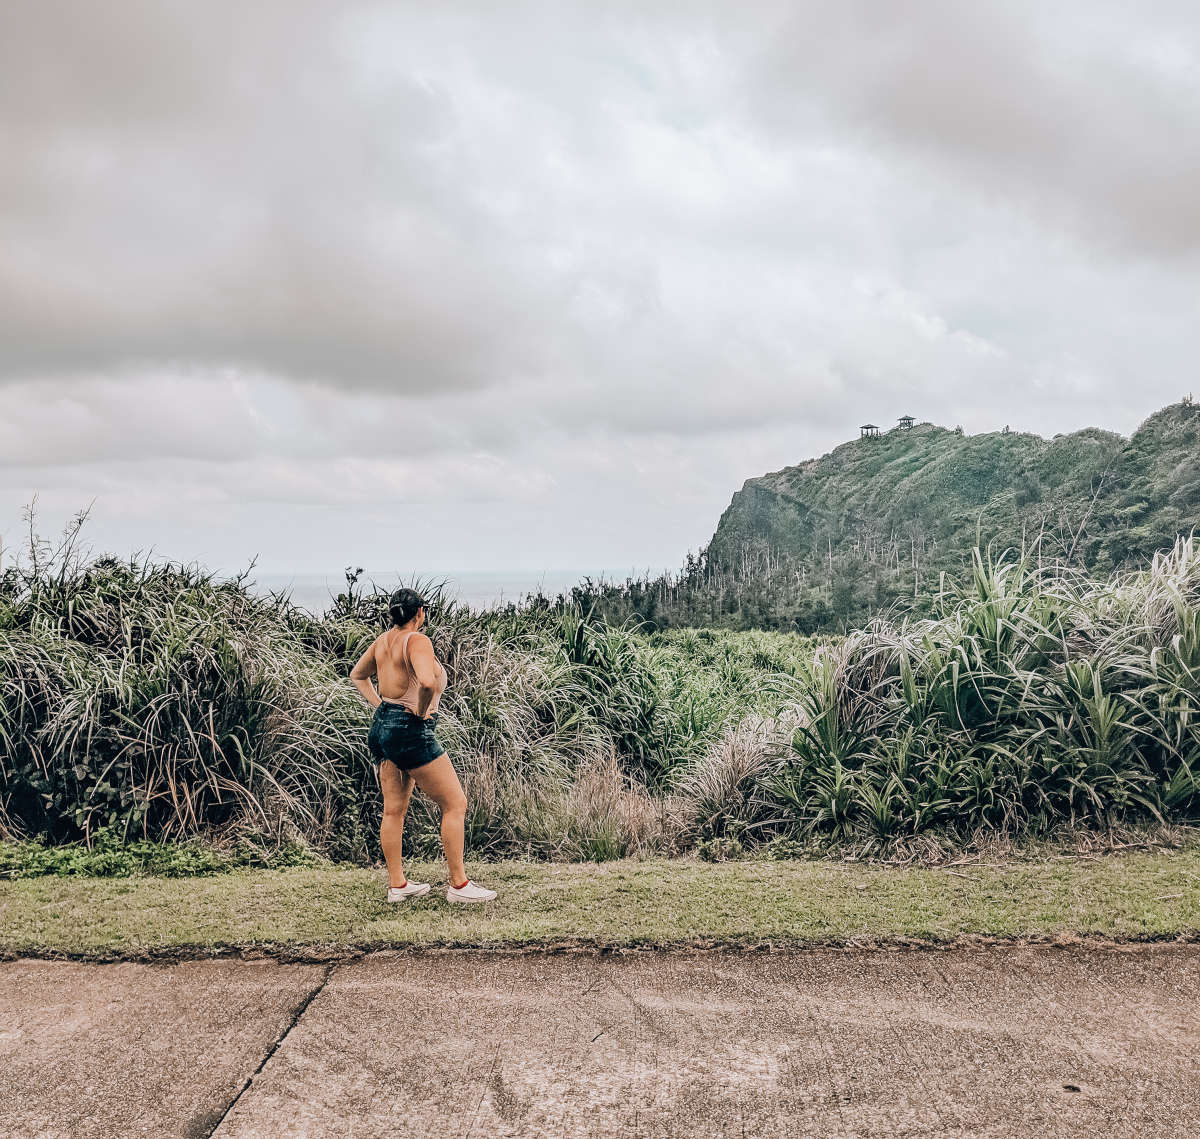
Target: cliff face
{"type": "Point", "coordinates": [1094, 496]}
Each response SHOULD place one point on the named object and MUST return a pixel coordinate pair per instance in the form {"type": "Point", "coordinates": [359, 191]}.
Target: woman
{"type": "Point", "coordinates": [411, 682]}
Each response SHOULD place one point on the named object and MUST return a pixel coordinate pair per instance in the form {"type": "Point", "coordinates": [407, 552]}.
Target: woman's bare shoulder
{"type": "Point", "coordinates": [382, 643]}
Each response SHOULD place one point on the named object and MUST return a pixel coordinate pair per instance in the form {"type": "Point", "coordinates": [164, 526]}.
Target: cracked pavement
{"type": "Point", "coordinates": [978, 1041]}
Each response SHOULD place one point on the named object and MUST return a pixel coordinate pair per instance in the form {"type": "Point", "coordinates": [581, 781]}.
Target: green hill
{"type": "Point", "coordinates": [827, 543]}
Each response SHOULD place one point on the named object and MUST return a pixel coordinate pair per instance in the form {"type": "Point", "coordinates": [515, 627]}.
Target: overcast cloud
{"type": "Point", "coordinates": [539, 285]}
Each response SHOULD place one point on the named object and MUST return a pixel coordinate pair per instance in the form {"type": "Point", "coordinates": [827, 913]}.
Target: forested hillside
{"type": "Point", "coordinates": [874, 523]}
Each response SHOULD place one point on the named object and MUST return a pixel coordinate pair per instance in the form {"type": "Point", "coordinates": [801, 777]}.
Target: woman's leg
{"type": "Point", "coordinates": [397, 787]}
{"type": "Point", "coordinates": [440, 782]}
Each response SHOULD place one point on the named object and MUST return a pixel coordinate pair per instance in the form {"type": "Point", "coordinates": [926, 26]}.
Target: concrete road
{"type": "Point", "coordinates": [996, 1041]}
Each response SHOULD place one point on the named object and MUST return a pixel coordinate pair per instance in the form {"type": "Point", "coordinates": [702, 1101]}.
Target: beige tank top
{"type": "Point", "coordinates": [413, 691]}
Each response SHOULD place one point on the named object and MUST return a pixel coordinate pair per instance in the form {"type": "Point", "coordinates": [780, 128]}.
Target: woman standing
{"type": "Point", "coordinates": [411, 682]}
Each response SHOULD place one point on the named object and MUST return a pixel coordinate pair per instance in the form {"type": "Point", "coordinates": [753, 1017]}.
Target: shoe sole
{"type": "Point", "coordinates": [468, 901]}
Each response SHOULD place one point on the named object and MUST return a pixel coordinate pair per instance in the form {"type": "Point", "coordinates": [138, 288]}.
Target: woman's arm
{"type": "Point", "coordinates": [425, 669]}
{"type": "Point", "coordinates": [361, 674]}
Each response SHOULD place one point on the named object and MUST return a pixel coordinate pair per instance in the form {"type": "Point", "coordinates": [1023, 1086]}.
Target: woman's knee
{"type": "Point", "coordinates": [453, 804]}
{"type": "Point", "coordinates": [394, 810]}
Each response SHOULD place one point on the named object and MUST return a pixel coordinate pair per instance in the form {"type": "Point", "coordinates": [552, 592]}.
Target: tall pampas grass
{"type": "Point", "coordinates": [145, 700]}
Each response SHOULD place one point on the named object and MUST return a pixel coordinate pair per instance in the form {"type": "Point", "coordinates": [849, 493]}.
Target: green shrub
{"type": "Point", "coordinates": [154, 704]}
{"type": "Point", "coordinates": [1032, 700]}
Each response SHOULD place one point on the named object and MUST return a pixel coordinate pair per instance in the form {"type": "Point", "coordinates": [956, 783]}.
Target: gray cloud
{"type": "Point", "coordinates": [223, 189]}
{"type": "Point", "coordinates": [1087, 112]}
{"type": "Point", "coordinates": [339, 253]}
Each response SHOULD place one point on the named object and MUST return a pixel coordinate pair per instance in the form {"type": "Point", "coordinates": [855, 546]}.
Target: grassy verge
{"type": "Point", "coordinates": [627, 903]}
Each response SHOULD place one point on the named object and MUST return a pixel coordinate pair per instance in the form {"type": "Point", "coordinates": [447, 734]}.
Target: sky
{"type": "Point", "coordinates": [539, 286]}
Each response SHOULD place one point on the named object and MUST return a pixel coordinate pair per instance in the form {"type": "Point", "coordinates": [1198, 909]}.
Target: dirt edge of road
{"type": "Point", "coordinates": [317, 954]}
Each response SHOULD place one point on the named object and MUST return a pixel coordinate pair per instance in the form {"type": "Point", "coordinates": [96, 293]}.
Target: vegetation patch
{"type": "Point", "coordinates": [150, 703]}
{"type": "Point", "coordinates": [872, 526]}
{"type": "Point", "coordinates": [111, 857]}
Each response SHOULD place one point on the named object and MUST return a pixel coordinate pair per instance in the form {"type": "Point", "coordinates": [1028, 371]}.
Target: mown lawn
{"type": "Point", "coordinates": [625, 903]}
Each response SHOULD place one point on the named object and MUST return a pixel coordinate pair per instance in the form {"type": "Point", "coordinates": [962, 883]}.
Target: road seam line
{"type": "Point", "coordinates": [299, 1011]}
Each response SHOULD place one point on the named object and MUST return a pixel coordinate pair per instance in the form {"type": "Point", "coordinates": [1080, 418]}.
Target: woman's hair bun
{"type": "Point", "coordinates": [403, 605]}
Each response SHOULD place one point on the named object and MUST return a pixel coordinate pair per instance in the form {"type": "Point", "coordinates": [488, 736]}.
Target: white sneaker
{"type": "Point", "coordinates": [408, 890]}
{"type": "Point", "coordinates": [469, 893]}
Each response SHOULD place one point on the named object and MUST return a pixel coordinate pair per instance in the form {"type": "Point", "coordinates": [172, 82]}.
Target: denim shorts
{"type": "Point", "coordinates": [403, 737]}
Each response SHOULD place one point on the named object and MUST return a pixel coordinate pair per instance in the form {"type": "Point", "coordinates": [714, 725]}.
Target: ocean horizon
{"type": "Point", "coordinates": [480, 589]}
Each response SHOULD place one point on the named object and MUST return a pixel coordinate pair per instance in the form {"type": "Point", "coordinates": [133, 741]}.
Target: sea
{"type": "Point", "coordinates": [480, 589]}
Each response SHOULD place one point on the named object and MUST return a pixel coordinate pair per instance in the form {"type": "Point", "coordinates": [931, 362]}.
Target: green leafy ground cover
{"type": "Point", "coordinates": [110, 857]}
{"type": "Point", "coordinates": [1150, 895]}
